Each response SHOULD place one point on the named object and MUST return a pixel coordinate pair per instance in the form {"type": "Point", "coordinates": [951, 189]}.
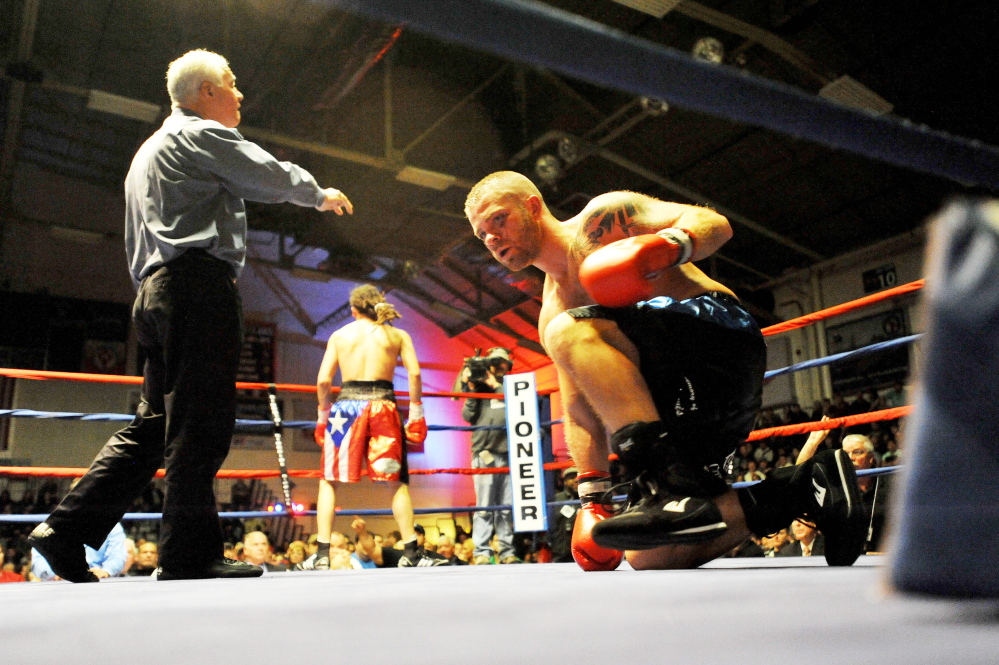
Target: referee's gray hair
{"type": "Point", "coordinates": [186, 74]}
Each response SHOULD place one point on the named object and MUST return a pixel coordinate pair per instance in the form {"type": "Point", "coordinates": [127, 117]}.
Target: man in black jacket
{"type": "Point", "coordinates": [489, 450]}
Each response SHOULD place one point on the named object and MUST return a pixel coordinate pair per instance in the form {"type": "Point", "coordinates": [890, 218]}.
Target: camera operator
{"type": "Point", "coordinates": [489, 449]}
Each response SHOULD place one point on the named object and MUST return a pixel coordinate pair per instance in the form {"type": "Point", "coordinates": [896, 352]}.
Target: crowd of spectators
{"type": "Point", "coordinates": [755, 459]}
{"type": "Point", "coordinates": [752, 461]}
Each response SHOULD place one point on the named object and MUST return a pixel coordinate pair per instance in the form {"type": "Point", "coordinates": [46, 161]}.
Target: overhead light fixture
{"type": "Point", "coordinates": [568, 149]}
{"type": "Point", "coordinates": [709, 49]}
{"type": "Point", "coordinates": [657, 8]}
{"type": "Point", "coordinates": [852, 92]}
{"type": "Point", "coordinates": [80, 236]}
{"type": "Point", "coordinates": [548, 168]}
{"type": "Point", "coordinates": [654, 107]}
{"type": "Point", "coordinates": [123, 106]}
{"type": "Point", "coordinates": [425, 178]}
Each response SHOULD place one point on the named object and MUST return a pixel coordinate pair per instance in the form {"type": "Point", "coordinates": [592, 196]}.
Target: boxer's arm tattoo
{"type": "Point", "coordinates": [605, 221]}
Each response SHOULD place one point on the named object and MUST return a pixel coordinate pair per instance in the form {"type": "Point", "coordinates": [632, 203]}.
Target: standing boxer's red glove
{"type": "Point", "coordinates": [589, 555]}
{"type": "Point", "coordinates": [322, 418]}
{"type": "Point", "coordinates": [416, 424]}
{"type": "Point", "coordinates": [620, 273]}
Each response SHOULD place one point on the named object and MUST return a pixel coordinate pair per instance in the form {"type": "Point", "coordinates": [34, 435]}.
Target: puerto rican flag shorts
{"type": "Point", "coordinates": [364, 431]}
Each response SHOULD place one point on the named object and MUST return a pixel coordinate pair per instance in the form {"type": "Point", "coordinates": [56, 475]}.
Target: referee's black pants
{"type": "Point", "coordinates": [188, 317]}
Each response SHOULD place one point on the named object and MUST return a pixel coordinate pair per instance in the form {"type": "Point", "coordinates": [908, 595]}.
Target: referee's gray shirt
{"type": "Point", "coordinates": [186, 187]}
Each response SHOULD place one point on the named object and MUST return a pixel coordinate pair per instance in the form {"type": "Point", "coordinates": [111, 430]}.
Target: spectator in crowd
{"type": "Point", "coordinates": [7, 572]}
{"type": "Point", "coordinates": [807, 541]}
{"type": "Point", "coordinates": [257, 551]}
{"type": "Point", "coordinates": [895, 396]}
{"type": "Point", "coordinates": [460, 535]}
{"type": "Point", "coordinates": [839, 407]}
{"type": "Point", "coordinates": [564, 519]}
{"type": "Point", "coordinates": [311, 545]}
{"type": "Point", "coordinates": [146, 561]}
{"type": "Point", "coordinates": [763, 452]}
{"type": "Point", "coordinates": [240, 495]}
{"type": "Point", "coordinates": [466, 551]}
{"type": "Point", "coordinates": [131, 553]}
{"type": "Point", "coordinates": [489, 450]}
{"type": "Point", "coordinates": [794, 416]}
{"type": "Point", "coordinates": [774, 543]}
{"type": "Point", "coordinates": [423, 546]}
{"type": "Point", "coordinates": [367, 551]}
{"type": "Point", "coordinates": [859, 405]}
{"type": "Point", "coordinates": [878, 403]}
{"type": "Point", "coordinates": [107, 561]}
{"type": "Point", "coordinates": [891, 456]}
{"type": "Point", "coordinates": [295, 554]}
{"type": "Point", "coordinates": [875, 490]}
{"type": "Point", "coordinates": [393, 539]}
{"type": "Point", "coordinates": [339, 551]}
{"type": "Point", "coordinates": [752, 473]}
{"type": "Point", "coordinates": [446, 548]}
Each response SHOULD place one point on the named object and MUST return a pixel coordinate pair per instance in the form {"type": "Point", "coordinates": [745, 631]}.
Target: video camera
{"type": "Point", "coordinates": [479, 365]}
{"type": "Point", "coordinates": [478, 368]}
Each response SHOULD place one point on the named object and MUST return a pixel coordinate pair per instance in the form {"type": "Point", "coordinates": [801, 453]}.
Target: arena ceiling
{"type": "Point", "coordinates": [405, 124]}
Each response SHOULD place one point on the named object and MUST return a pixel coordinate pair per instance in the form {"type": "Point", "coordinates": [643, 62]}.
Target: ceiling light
{"type": "Point", "coordinates": [425, 178]}
{"type": "Point", "coordinates": [709, 49]}
{"type": "Point", "coordinates": [851, 92]}
{"type": "Point", "coordinates": [654, 107]}
{"type": "Point", "coordinates": [548, 168]}
{"type": "Point", "coordinates": [123, 106]}
{"type": "Point", "coordinates": [657, 8]}
{"type": "Point", "coordinates": [568, 150]}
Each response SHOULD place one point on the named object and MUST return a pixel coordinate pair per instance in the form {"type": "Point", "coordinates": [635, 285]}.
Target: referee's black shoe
{"type": "Point", "coordinates": [65, 555]}
{"type": "Point", "coordinates": [218, 568]}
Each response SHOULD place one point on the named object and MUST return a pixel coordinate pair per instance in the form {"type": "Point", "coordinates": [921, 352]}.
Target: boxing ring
{"type": "Point", "coordinates": [730, 610]}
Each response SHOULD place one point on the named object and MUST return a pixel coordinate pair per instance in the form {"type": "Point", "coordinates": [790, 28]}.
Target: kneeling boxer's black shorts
{"type": "Point", "coordinates": [703, 359]}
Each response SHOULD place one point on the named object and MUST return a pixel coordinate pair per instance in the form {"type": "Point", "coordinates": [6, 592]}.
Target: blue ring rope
{"type": "Point", "coordinates": [245, 514]}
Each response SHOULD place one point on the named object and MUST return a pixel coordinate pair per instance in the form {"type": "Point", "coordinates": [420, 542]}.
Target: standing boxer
{"type": "Point", "coordinates": [185, 239]}
{"type": "Point", "coordinates": [363, 426]}
{"type": "Point", "coordinates": [689, 359]}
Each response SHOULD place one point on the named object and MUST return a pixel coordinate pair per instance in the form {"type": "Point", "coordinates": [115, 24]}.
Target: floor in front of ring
{"type": "Point", "coordinates": [731, 611]}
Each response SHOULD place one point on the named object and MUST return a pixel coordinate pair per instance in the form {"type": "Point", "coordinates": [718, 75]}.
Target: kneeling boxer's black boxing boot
{"type": "Point", "coordinates": [822, 490]}
{"type": "Point", "coordinates": [670, 499]}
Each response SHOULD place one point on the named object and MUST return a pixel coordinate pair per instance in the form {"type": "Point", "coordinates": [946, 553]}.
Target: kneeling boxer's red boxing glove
{"type": "Point", "coordinates": [621, 273]}
{"type": "Point", "coordinates": [587, 554]}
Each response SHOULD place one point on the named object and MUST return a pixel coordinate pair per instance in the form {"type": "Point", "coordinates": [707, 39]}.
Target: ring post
{"type": "Point", "coordinates": [527, 477]}
{"type": "Point", "coordinates": [950, 487]}
{"type": "Point", "coordinates": [278, 428]}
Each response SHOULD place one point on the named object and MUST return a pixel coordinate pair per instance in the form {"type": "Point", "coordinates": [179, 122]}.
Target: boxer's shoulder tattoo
{"type": "Point", "coordinates": [603, 221]}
